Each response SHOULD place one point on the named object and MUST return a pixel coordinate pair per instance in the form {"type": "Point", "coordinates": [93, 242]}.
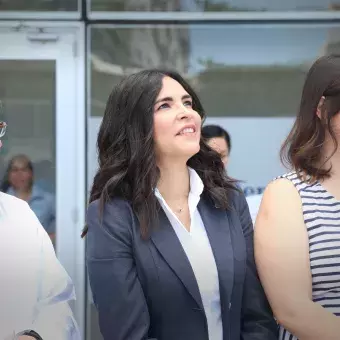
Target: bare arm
{"type": "Point", "coordinates": [282, 257]}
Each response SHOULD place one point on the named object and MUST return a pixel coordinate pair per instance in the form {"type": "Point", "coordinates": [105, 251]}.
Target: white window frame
{"type": "Point", "coordinates": [43, 15]}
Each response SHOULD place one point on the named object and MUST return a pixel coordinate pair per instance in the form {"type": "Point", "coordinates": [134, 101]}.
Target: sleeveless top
{"type": "Point", "coordinates": [321, 213]}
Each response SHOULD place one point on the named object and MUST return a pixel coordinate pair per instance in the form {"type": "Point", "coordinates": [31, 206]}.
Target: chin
{"type": "Point", "coordinates": [190, 151]}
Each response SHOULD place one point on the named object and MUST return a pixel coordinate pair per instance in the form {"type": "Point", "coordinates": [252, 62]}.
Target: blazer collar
{"type": "Point", "coordinates": [217, 227]}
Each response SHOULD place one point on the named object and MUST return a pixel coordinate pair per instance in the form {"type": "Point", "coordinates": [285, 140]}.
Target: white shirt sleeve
{"type": "Point", "coordinates": [53, 318]}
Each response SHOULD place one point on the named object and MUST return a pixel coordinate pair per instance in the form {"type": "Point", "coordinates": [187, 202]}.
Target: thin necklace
{"type": "Point", "coordinates": [180, 209]}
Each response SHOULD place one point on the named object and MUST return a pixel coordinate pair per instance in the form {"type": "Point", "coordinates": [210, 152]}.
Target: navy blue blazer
{"type": "Point", "coordinates": [146, 289]}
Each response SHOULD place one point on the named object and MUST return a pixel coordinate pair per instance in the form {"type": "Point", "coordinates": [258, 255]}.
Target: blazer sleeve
{"type": "Point", "coordinates": [117, 292]}
{"type": "Point", "coordinates": [257, 321]}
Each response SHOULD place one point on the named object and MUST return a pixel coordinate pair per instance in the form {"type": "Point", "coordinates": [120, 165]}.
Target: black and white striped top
{"type": "Point", "coordinates": [321, 212]}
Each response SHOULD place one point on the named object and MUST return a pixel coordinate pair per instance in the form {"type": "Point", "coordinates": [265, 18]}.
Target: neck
{"type": "Point", "coordinates": [332, 161]}
{"type": "Point", "coordinates": [174, 180]}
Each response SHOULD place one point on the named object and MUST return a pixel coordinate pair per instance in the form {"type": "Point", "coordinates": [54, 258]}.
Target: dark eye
{"type": "Point", "coordinates": [164, 106]}
{"type": "Point", "coordinates": [188, 103]}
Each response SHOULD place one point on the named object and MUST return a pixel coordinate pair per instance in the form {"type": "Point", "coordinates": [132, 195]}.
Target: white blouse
{"type": "Point", "coordinates": [198, 250]}
{"type": "Point", "coordinates": [34, 287]}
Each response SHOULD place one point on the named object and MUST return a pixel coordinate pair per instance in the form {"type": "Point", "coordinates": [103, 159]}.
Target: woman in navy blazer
{"type": "Point", "coordinates": [169, 236]}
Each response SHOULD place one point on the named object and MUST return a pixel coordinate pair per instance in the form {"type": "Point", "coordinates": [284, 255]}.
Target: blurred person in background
{"type": "Point", "coordinates": [219, 140]}
{"type": "Point", "coordinates": [34, 289]}
{"type": "Point", "coordinates": [297, 233]}
{"type": "Point", "coordinates": [169, 238]}
{"type": "Point", "coordinates": [19, 182]}
{"type": "Point", "coordinates": [44, 175]}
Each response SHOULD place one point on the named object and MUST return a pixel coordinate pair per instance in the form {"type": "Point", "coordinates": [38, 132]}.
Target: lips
{"type": "Point", "coordinates": [188, 129]}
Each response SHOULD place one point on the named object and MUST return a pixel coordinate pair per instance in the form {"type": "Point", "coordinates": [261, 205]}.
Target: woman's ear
{"type": "Point", "coordinates": [319, 107]}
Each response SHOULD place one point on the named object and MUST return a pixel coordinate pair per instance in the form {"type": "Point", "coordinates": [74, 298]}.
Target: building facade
{"type": "Point", "coordinates": [59, 60]}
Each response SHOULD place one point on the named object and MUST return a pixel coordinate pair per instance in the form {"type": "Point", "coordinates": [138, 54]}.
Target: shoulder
{"type": "Point", "coordinates": [43, 194]}
{"type": "Point", "coordinates": [12, 206]}
{"type": "Point", "coordinates": [289, 177]}
{"type": "Point", "coordinates": [48, 196]}
{"type": "Point", "coordinates": [116, 207]}
{"type": "Point", "coordinates": [237, 199]}
{"type": "Point", "coordinates": [280, 199]}
{"type": "Point", "coordinates": [280, 217]}
{"type": "Point", "coordinates": [282, 187]}
{"type": "Point", "coordinates": [19, 215]}
{"type": "Point", "coordinates": [115, 216]}
{"type": "Point", "coordinates": [110, 229]}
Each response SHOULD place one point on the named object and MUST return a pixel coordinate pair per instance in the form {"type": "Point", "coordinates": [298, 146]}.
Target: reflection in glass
{"type": "Point", "coordinates": [38, 5]}
{"type": "Point", "coordinates": [251, 70]}
{"type": "Point", "coordinates": [213, 5]}
{"type": "Point", "coordinates": [27, 93]}
{"type": "Point", "coordinates": [3, 127]}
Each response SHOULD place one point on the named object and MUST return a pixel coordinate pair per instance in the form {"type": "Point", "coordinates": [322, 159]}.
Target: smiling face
{"type": "Point", "coordinates": [177, 126]}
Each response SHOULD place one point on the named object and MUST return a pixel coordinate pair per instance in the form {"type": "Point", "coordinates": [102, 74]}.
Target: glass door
{"type": "Point", "coordinates": [42, 100]}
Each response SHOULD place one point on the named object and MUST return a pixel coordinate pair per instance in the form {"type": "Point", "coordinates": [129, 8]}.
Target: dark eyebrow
{"type": "Point", "coordinates": [170, 99]}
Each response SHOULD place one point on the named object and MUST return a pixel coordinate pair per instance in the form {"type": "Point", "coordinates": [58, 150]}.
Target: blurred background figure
{"type": "Point", "coordinates": [19, 182]}
{"type": "Point", "coordinates": [219, 140]}
{"type": "Point", "coordinates": [44, 173]}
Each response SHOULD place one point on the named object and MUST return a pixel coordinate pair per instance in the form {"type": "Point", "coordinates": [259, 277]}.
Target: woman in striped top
{"type": "Point", "coordinates": [297, 233]}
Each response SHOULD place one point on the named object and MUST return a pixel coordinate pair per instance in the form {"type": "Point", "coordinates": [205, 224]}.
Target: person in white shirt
{"type": "Point", "coordinates": [34, 287]}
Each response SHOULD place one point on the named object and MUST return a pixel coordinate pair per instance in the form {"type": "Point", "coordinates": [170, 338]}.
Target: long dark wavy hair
{"type": "Point", "coordinates": [302, 149]}
{"type": "Point", "coordinates": [127, 160]}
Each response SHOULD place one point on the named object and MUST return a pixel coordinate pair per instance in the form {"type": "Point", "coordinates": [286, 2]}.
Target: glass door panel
{"type": "Point", "coordinates": [42, 161]}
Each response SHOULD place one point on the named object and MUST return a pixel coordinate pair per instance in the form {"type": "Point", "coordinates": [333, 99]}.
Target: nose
{"type": "Point", "coordinates": [185, 113]}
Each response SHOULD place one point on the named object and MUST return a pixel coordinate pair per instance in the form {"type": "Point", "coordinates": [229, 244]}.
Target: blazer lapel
{"type": "Point", "coordinates": [217, 225]}
{"type": "Point", "coordinates": [168, 244]}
